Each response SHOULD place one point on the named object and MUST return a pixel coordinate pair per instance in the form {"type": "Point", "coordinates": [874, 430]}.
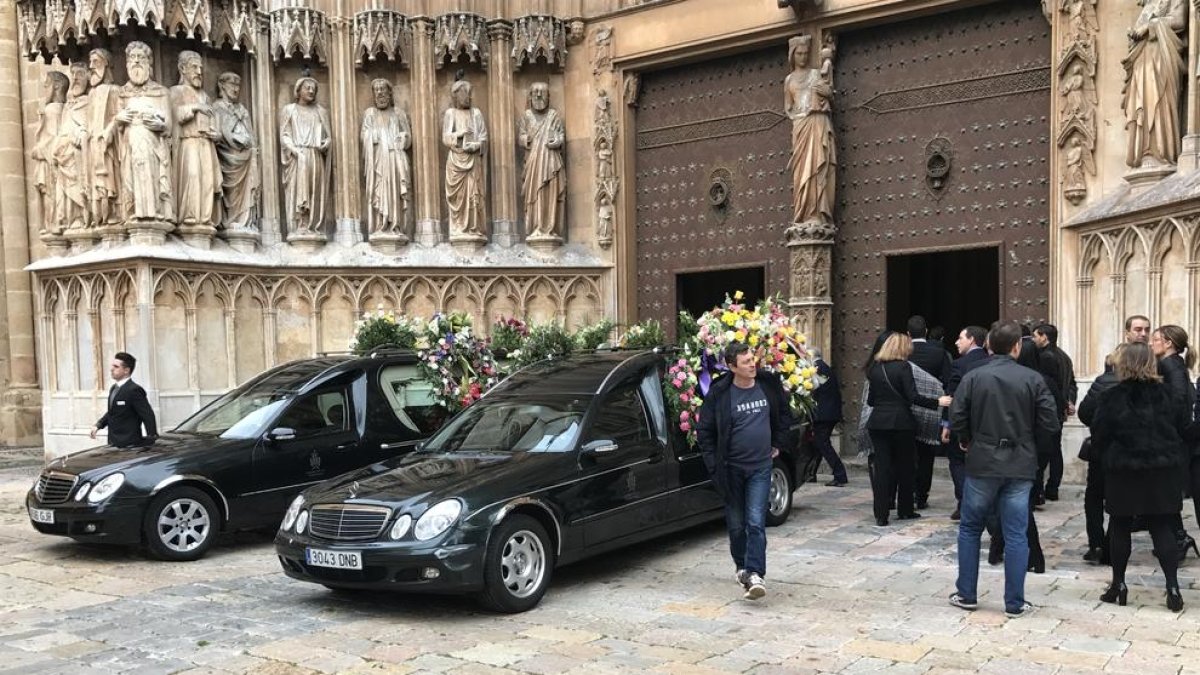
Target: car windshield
{"type": "Point", "coordinates": [243, 412]}
{"type": "Point", "coordinates": [513, 425]}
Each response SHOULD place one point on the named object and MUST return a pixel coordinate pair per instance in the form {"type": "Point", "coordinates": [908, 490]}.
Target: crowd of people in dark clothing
{"type": "Point", "coordinates": [997, 412]}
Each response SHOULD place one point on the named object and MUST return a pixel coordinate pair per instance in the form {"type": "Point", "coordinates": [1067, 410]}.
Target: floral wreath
{"type": "Point", "coordinates": [456, 362]}
{"type": "Point", "coordinates": [768, 331]}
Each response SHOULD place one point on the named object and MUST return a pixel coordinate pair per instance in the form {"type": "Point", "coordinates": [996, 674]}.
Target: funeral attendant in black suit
{"type": "Point", "coordinates": [826, 415]}
{"type": "Point", "coordinates": [971, 354]}
{"type": "Point", "coordinates": [128, 409]}
{"type": "Point", "coordinates": [1056, 367]}
{"type": "Point", "coordinates": [933, 359]}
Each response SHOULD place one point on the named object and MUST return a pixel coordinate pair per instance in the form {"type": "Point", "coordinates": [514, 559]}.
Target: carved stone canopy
{"type": "Point", "coordinates": [459, 35]}
{"type": "Point", "coordinates": [52, 28]}
{"type": "Point", "coordinates": [539, 36]}
{"type": "Point", "coordinates": [299, 32]}
{"type": "Point", "coordinates": [382, 32]}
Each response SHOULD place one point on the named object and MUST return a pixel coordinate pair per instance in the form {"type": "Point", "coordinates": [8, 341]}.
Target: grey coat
{"type": "Point", "coordinates": [1004, 413]}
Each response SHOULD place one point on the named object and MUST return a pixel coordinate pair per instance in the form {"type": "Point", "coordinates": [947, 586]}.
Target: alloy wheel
{"type": "Point", "coordinates": [522, 564]}
{"type": "Point", "coordinates": [183, 525]}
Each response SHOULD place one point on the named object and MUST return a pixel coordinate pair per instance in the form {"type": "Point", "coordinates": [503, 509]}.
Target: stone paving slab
{"type": "Point", "coordinates": [844, 597]}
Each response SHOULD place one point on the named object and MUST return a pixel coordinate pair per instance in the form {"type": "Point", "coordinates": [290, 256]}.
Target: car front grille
{"type": "Point", "coordinates": [348, 522]}
{"type": "Point", "coordinates": [54, 487]}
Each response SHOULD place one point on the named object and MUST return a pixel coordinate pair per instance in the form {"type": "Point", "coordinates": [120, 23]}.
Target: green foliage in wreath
{"type": "Point", "coordinates": [550, 341]}
{"type": "Point", "coordinates": [590, 337]}
{"type": "Point", "coordinates": [382, 328]}
{"type": "Point", "coordinates": [647, 334]}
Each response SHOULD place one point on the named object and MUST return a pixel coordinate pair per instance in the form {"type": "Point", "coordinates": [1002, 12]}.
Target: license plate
{"type": "Point", "coordinates": [338, 560]}
{"type": "Point", "coordinates": [45, 516]}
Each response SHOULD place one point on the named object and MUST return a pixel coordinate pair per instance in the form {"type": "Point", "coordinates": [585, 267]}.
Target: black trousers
{"type": "Point", "coordinates": [924, 479]}
{"type": "Point", "coordinates": [1036, 556]}
{"type": "Point", "coordinates": [1052, 461]}
{"type": "Point", "coordinates": [1161, 532]}
{"type": "Point", "coordinates": [1194, 484]}
{"type": "Point", "coordinates": [1093, 507]}
{"type": "Point", "coordinates": [822, 432]}
{"type": "Point", "coordinates": [894, 465]}
{"type": "Point", "coordinates": [958, 467]}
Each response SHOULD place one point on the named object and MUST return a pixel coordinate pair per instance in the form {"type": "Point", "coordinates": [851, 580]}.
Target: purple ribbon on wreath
{"type": "Point", "coordinates": [709, 364]}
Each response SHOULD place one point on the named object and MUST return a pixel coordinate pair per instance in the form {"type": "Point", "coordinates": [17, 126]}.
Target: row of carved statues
{"type": "Point", "coordinates": [114, 159]}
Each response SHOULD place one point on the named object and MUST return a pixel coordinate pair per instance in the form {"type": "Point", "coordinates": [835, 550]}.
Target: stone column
{"type": "Point", "coordinates": [20, 398]}
{"type": "Point", "coordinates": [343, 111]}
{"type": "Point", "coordinates": [1189, 156]}
{"type": "Point", "coordinates": [268, 137]}
{"type": "Point", "coordinates": [427, 147]}
{"type": "Point", "coordinates": [810, 258]}
{"type": "Point", "coordinates": [502, 141]}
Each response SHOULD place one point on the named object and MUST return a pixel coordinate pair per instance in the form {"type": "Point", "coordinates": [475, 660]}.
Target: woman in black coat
{"type": "Point", "coordinates": [892, 393]}
{"type": "Point", "coordinates": [1093, 496]}
{"type": "Point", "coordinates": [1137, 436]}
{"type": "Point", "coordinates": [1170, 346]}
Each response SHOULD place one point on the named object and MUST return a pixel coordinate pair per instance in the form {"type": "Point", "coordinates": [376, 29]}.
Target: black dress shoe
{"type": "Point", "coordinates": [957, 515]}
{"type": "Point", "coordinates": [922, 503]}
{"type": "Point", "coordinates": [909, 516]}
{"type": "Point", "coordinates": [1037, 566]}
{"type": "Point", "coordinates": [1093, 555]}
{"type": "Point", "coordinates": [1051, 494]}
{"type": "Point", "coordinates": [836, 483]}
{"type": "Point", "coordinates": [1040, 500]}
{"type": "Point", "coordinates": [881, 522]}
{"type": "Point", "coordinates": [1174, 599]}
{"type": "Point", "coordinates": [995, 555]}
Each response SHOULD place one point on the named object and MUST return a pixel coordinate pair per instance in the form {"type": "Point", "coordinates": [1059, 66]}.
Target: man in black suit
{"type": "Point", "coordinates": [828, 412]}
{"type": "Point", "coordinates": [933, 359]}
{"type": "Point", "coordinates": [971, 355]}
{"type": "Point", "coordinates": [1056, 367]}
{"type": "Point", "coordinates": [128, 409]}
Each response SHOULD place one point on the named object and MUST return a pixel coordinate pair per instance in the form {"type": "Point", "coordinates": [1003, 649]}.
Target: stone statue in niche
{"type": "Point", "coordinates": [304, 137]}
{"type": "Point", "coordinates": [49, 116]}
{"type": "Point", "coordinates": [807, 94]}
{"type": "Point", "coordinates": [544, 184]}
{"type": "Point", "coordinates": [386, 136]}
{"type": "Point", "coordinates": [606, 176]}
{"type": "Point", "coordinates": [464, 134]}
{"type": "Point", "coordinates": [68, 157]}
{"type": "Point", "coordinates": [104, 100]}
{"type": "Point", "coordinates": [197, 169]}
{"type": "Point", "coordinates": [145, 120]}
{"type": "Point", "coordinates": [237, 151]}
{"type": "Point", "coordinates": [1154, 72]}
{"type": "Point", "coordinates": [1078, 162]}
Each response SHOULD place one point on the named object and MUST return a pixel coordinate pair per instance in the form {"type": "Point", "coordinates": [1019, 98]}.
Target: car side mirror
{"type": "Point", "coordinates": [600, 447]}
{"type": "Point", "coordinates": [281, 434]}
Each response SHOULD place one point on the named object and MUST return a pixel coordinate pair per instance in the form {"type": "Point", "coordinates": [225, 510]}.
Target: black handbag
{"type": "Point", "coordinates": [1085, 449]}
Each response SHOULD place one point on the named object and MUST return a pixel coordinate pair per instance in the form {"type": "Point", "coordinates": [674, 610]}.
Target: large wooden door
{"type": "Point", "coordinates": [943, 142]}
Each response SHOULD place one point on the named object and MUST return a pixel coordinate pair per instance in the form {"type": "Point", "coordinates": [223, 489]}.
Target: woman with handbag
{"type": "Point", "coordinates": [892, 427]}
{"type": "Point", "coordinates": [1137, 437]}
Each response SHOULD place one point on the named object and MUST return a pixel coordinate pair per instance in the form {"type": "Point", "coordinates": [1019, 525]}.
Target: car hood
{"type": "Point", "coordinates": [478, 478]}
{"type": "Point", "coordinates": [170, 448]}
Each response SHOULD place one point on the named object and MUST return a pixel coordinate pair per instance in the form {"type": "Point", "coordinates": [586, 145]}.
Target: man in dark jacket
{"type": "Point", "coordinates": [933, 359]}
{"type": "Point", "coordinates": [971, 355]}
{"type": "Point", "coordinates": [1056, 367]}
{"type": "Point", "coordinates": [1093, 495]}
{"type": "Point", "coordinates": [128, 410]}
{"type": "Point", "coordinates": [1002, 414]}
{"type": "Point", "coordinates": [743, 423]}
{"type": "Point", "coordinates": [826, 415]}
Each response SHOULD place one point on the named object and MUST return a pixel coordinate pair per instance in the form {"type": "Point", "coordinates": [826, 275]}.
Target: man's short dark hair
{"type": "Point", "coordinates": [126, 359]}
{"type": "Point", "coordinates": [976, 333]}
{"type": "Point", "coordinates": [917, 328]}
{"type": "Point", "coordinates": [1050, 331]}
{"type": "Point", "coordinates": [1135, 317]}
{"type": "Point", "coordinates": [1004, 337]}
{"type": "Point", "coordinates": [733, 350]}
{"type": "Point", "coordinates": [1026, 331]}
{"type": "Point", "coordinates": [937, 334]}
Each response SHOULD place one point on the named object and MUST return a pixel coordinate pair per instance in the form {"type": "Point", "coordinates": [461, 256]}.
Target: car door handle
{"type": "Point", "coordinates": [345, 446]}
{"type": "Point", "coordinates": [396, 445]}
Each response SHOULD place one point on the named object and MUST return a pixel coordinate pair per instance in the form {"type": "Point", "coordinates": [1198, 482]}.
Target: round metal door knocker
{"type": "Point", "coordinates": [720, 189]}
{"type": "Point", "coordinates": [938, 160]}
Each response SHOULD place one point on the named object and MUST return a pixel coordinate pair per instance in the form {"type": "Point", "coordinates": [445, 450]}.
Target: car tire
{"type": "Point", "coordinates": [518, 565]}
{"type": "Point", "coordinates": [779, 498]}
{"type": "Point", "coordinates": [180, 524]}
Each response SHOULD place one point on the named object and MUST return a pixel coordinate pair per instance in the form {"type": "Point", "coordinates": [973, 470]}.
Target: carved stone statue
{"type": "Point", "coordinates": [197, 169]}
{"type": "Point", "coordinates": [386, 135]}
{"type": "Point", "coordinates": [304, 136]}
{"type": "Point", "coordinates": [43, 146]}
{"type": "Point", "coordinates": [103, 177]}
{"type": "Point", "coordinates": [68, 156]}
{"type": "Point", "coordinates": [145, 121]}
{"type": "Point", "coordinates": [544, 183]}
{"type": "Point", "coordinates": [1154, 72]}
{"type": "Point", "coordinates": [605, 136]}
{"type": "Point", "coordinates": [807, 93]}
{"type": "Point", "coordinates": [464, 134]}
{"type": "Point", "coordinates": [1078, 162]}
{"type": "Point", "coordinates": [237, 150]}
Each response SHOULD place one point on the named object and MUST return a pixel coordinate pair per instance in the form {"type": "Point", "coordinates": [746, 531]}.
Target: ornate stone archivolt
{"type": "Point", "coordinates": [1077, 96]}
{"type": "Point", "coordinates": [539, 36]}
{"type": "Point", "coordinates": [382, 33]}
{"type": "Point", "coordinates": [299, 32]}
{"type": "Point", "coordinates": [604, 143]}
{"type": "Point", "coordinates": [460, 35]}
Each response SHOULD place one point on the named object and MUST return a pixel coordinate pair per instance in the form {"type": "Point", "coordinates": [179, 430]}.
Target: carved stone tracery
{"type": "Point", "coordinates": [1077, 91]}
{"type": "Point", "coordinates": [299, 32]}
{"type": "Point", "coordinates": [192, 18]}
{"type": "Point", "coordinates": [382, 32]}
{"type": "Point", "coordinates": [459, 35]}
{"type": "Point", "coordinates": [539, 36]}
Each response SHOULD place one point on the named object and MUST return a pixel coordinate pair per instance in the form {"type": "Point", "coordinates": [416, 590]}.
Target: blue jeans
{"type": "Point", "coordinates": [1010, 498]}
{"type": "Point", "coordinates": [746, 517]}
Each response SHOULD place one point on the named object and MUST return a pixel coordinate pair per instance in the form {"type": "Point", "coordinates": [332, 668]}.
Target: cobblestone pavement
{"type": "Point", "coordinates": [844, 596]}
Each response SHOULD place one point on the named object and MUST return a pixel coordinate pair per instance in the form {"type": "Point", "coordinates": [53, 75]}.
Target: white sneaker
{"type": "Point", "coordinates": [755, 588]}
{"type": "Point", "coordinates": [1026, 610]}
{"type": "Point", "coordinates": [742, 578]}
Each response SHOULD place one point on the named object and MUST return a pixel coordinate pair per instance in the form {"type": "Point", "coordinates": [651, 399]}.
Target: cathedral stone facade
{"type": "Point", "coordinates": [218, 186]}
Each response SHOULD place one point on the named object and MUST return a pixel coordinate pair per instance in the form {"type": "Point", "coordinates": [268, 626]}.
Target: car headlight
{"type": "Point", "coordinates": [82, 491]}
{"type": "Point", "coordinates": [401, 527]}
{"type": "Point", "coordinates": [289, 518]}
{"type": "Point", "coordinates": [302, 522]}
{"type": "Point", "coordinates": [437, 519]}
{"type": "Point", "coordinates": [106, 487]}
